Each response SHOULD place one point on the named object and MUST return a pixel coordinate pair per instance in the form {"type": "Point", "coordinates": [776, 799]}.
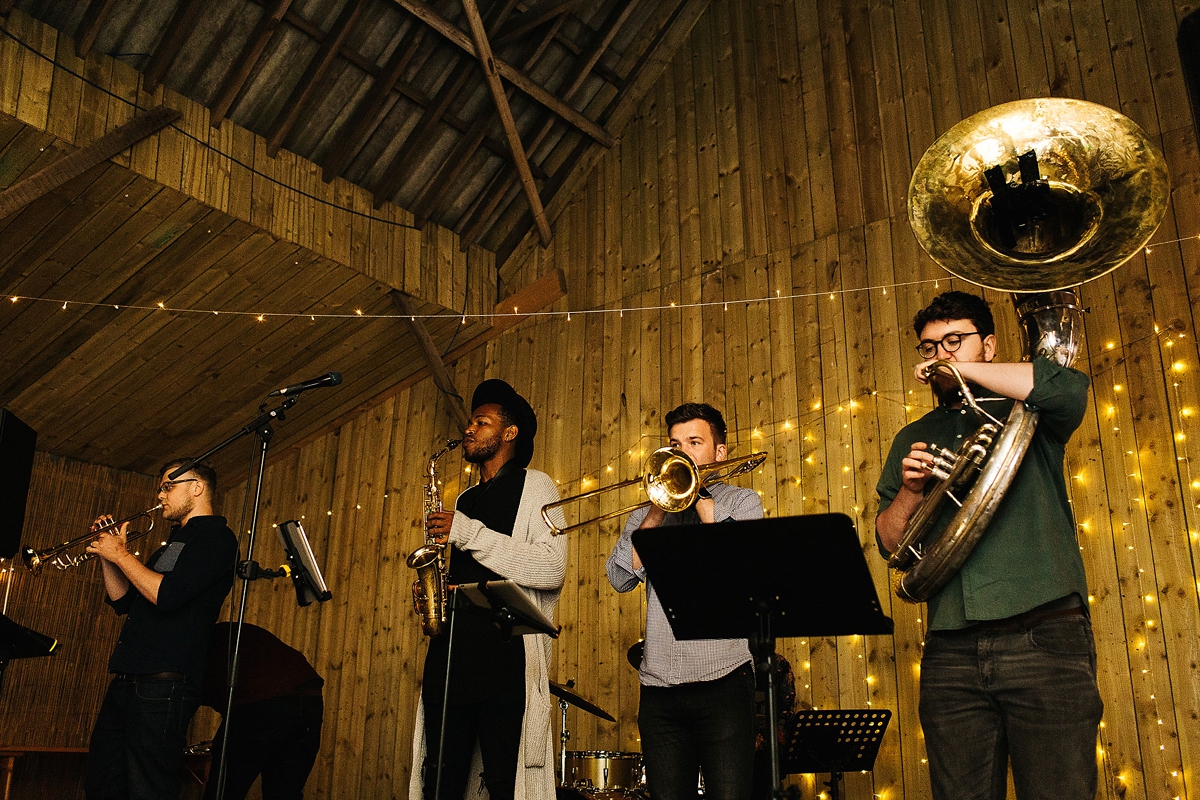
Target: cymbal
{"type": "Point", "coordinates": [567, 693]}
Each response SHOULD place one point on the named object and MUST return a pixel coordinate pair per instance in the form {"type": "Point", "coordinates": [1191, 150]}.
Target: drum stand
{"type": "Point", "coordinates": [567, 696]}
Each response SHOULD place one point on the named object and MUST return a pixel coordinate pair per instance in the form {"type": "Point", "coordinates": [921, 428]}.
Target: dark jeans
{"type": "Point", "coordinates": [495, 722]}
{"type": "Point", "coordinates": [136, 749]}
{"type": "Point", "coordinates": [277, 738]}
{"type": "Point", "coordinates": [709, 726]}
{"type": "Point", "coordinates": [1027, 695]}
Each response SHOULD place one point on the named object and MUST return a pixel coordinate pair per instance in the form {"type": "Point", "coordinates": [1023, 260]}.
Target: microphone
{"type": "Point", "coordinates": [328, 379]}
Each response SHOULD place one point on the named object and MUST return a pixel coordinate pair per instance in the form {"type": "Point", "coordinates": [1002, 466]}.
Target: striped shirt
{"type": "Point", "coordinates": [667, 660]}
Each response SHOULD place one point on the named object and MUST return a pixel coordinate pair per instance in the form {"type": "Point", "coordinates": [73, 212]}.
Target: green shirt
{"type": "Point", "coordinates": [1029, 554]}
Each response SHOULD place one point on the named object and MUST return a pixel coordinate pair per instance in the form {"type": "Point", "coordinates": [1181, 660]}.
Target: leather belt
{"type": "Point", "coordinates": [1069, 606]}
{"type": "Point", "coordinates": [127, 677]}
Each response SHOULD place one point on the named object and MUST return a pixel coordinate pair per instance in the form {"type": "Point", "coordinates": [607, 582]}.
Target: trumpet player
{"type": "Point", "coordinates": [169, 603]}
{"type": "Point", "coordinates": [499, 700]}
{"type": "Point", "coordinates": [1009, 665]}
{"type": "Point", "coordinates": [696, 711]}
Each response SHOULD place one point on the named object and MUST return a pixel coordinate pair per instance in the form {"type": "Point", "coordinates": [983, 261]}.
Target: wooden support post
{"type": "Point", "coordinates": [488, 62]}
{"type": "Point", "coordinates": [441, 375]}
{"type": "Point", "coordinates": [54, 175]}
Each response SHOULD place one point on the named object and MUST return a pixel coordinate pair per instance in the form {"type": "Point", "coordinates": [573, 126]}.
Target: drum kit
{"type": "Point", "coordinates": [595, 774]}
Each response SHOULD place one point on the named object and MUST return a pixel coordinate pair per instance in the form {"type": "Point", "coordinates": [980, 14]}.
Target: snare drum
{"type": "Point", "coordinates": [603, 770]}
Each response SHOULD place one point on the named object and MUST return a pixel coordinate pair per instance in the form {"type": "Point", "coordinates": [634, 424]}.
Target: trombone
{"type": "Point", "coordinates": [672, 481]}
{"type": "Point", "coordinates": [35, 559]}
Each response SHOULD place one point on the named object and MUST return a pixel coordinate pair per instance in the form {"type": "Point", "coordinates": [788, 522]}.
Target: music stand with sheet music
{"type": "Point", "coordinates": [505, 604]}
{"type": "Point", "coordinates": [794, 576]}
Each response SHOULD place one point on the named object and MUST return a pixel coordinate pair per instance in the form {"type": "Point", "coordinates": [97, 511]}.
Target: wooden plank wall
{"type": "Point", "coordinates": [773, 159]}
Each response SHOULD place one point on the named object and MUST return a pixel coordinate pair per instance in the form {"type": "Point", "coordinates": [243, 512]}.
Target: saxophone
{"type": "Point", "coordinates": [432, 560]}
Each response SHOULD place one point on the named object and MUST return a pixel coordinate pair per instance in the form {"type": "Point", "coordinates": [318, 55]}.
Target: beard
{"type": "Point", "coordinates": [946, 389]}
{"type": "Point", "coordinates": [481, 450]}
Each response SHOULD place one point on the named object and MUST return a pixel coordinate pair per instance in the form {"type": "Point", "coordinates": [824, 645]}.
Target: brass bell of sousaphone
{"type": "Point", "coordinates": [1031, 197]}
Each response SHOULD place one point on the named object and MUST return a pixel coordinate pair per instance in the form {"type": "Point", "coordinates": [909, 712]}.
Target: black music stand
{"type": "Point", "coordinates": [17, 641]}
{"type": "Point", "coordinates": [506, 605]}
{"type": "Point", "coordinates": [762, 595]}
{"type": "Point", "coordinates": [837, 741]}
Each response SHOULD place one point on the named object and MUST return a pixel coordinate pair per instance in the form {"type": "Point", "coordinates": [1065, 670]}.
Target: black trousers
{"type": "Point", "coordinates": [277, 738]}
{"type": "Point", "coordinates": [495, 722]}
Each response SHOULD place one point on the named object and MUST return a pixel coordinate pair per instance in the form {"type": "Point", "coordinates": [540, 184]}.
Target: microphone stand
{"type": "Point", "coordinates": [261, 428]}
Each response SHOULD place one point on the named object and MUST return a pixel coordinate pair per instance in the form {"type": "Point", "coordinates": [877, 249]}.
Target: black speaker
{"type": "Point", "coordinates": [17, 441]}
{"type": "Point", "coordinates": [1188, 40]}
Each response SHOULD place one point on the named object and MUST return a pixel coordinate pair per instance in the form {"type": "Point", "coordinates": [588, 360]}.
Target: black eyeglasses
{"type": "Point", "coordinates": [950, 343]}
{"type": "Point", "coordinates": [165, 486]}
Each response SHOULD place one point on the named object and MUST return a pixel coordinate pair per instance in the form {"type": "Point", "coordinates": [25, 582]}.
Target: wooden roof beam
{"type": "Point", "coordinates": [186, 15]}
{"type": "Point", "coordinates": [361, 121]}
{"type": "Point", "coordinates": [64, 169]}
{"type": "Point", "coordinates": [499, 185]}
{"type": "Point", "coordinates": [89, 26]}
{"type": "Point", "coordinates": [235, 79]}
{"type": "Point", "coordinates": [488, 62]}
{"type": "Point", "coordinates": [393, 176]}
{"type": "Point", "coordinates": [529, 21]}
{"type": "Point", "coordinates": [434, 20]}
{"type": "Point", "coordinates": [450, 172]}
{"type": "Point", "coordinates": [433, 359]}
{"type": "Point", "coordinates": [329, 49]}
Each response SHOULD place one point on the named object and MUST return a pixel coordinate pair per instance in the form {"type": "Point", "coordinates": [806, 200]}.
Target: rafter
{"type": "Point", "coordinates": [450, 172]}
{"type": "Point", "coordinates": [89, 27]}
{"type": "Point", "coordinates": [433, 360]}
{"type": "Point", "coordinates": [235, 79]}
{"type": "Point", "coordinates": [187, 14]}
{"type": "Point", "coordinates": [317, 68]}
{"type": "Point", "coordinates": [529, 21]}
{"type": "Point", "coordinates": [393, 176]}
{"type": "Point", "coordinates": [503, 180]}
{"type": "Point", "coordinates": [434, 20]}
{"type": "Point", "coordinates": [361, 121]}
{"type": "Point", "coordinates": [69, 166]}
{"type": "Point", "coordinates": [488, 62]}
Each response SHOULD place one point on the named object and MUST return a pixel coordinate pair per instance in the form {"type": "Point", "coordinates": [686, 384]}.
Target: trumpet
{"type": "Point", "coordinates": [672, 481]}
{"type": "Point", "coordinates": [62, 559]}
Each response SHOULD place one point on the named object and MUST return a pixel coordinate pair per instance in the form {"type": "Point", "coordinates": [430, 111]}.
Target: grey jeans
{"type": "Point", "coordinates": [1026, 695]}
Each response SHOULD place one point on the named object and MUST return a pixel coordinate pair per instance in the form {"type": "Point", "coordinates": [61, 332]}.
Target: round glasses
{"type": "Point", "coordinates": [928, 348]}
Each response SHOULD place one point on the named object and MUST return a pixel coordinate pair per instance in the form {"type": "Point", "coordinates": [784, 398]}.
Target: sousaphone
{"type": "Point", "coordinates": [1032, 197]}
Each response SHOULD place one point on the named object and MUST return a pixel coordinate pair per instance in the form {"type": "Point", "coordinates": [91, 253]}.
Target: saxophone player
{"type": "Point", "coordinates": [499, 699]}
{"type": "Point", "coordinates": [1009, 664]}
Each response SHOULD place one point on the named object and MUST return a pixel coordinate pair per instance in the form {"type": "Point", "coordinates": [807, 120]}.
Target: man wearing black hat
{"type": "Point", "coordinates": [500, 705]}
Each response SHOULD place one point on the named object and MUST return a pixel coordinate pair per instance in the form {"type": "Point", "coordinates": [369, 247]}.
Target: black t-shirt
{"type": "Point", "coordinates": [197, 565]}
{"type": "Point", "coordinates": [484, 663]}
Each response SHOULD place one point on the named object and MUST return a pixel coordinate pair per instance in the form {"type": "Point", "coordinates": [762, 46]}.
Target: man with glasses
{"type": "Point", "coordinates": [1009, 666]}
{"type": "Point", "coordinates": [170, 604]}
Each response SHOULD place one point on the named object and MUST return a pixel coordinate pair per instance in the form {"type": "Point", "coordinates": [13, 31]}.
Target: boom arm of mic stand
{"type": "Point", "coordinates": [261, 424]}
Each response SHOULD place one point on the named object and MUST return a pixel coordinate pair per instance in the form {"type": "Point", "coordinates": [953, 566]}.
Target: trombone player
{"type": "Point", "coordinates": [170, 603]}
{"type": "Point", "coordinates": [696, 710]}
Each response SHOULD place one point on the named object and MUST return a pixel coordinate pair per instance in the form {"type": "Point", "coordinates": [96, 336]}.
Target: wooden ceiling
{"type": "Point", "coordinates": [388, 96]}
{"type": "Point", "coordinates": [391, 95]}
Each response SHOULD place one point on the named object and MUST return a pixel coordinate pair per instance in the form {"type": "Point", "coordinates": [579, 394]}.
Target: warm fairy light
{"type": "Point", "coordinates": [817, 406]}
{"type": "Point", "coordinates": [13, 299]}
{"type": "Point", "coordinates": [1179, 366]}
{"type": "Point", "coordinates": [160, 305]}
{"type": "Point", "coordinates": [1110, 345]}
{"type": "Point", "coordinates": [1179, 437]}
{"type": "Point", "coordinates": [1117, 387]}
{"type": "Point", "coordinates": [358, 311]}
{"type": "Point", "coordinates": [1186, 411]}
{"type": "Point", "coordinates": [261, 318]}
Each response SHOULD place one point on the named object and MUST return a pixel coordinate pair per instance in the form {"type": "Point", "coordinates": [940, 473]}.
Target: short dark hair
{"type": "Point", "coordinates": [203, 471]}
{"type": "Point", "coordinates": [690, 411]}
{"type": "Point", "coordinates": [957, 305]}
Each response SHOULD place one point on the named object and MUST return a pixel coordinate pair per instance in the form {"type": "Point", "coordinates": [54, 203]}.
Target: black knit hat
{"type": "Point", "coordinates": [516, 408]}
